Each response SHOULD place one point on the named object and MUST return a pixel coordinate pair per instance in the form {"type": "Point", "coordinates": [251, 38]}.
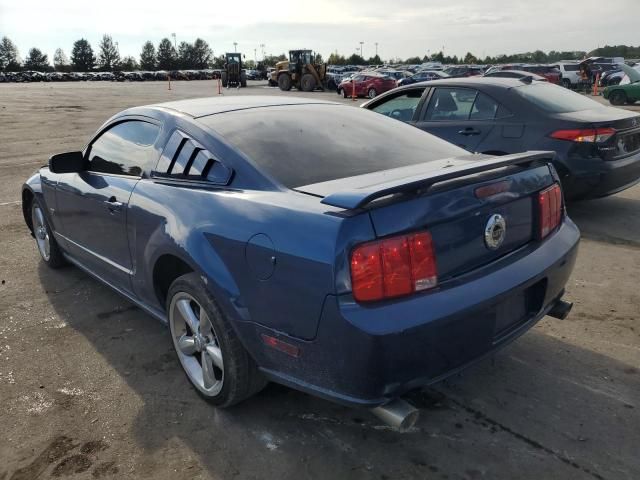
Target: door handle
{"type": "Point", "coordinates": [113, 205]}
{"type": "Point", "coordinates": [469, 131]}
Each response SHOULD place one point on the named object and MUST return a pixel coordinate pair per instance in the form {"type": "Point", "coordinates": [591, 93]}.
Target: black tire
{"type": "Point", "coordinates": [284, 82]}
{"type": "Point", "coordinates": [341, 91]}
{"type": "Point", "coordinates": [617, 97]}
{"type": "Point", "coordinates": [372, 93]}
{"type": "Point", "coordinates": [223, 77]}
{"type": "Point", "coordinates": [241, 376]}
{"type": "Point", "coordinates": [308, 83]}
{"type": "Point", "coordinates": [55, 259]}
{"type": "Point", "coordinates": [566, 83]}
{"type": "Point", "coordinates": [243, 79]}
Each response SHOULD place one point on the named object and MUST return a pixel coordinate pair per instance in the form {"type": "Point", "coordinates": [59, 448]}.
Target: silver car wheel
{"type": "Point", "coordinates": [196, 343]}
{"type": "Point", "coordinates": [41, 233]}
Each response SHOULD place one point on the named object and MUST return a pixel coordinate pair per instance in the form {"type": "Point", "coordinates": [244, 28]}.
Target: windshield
{"type": "Point", "coordinates": [553, 98]}
{"type": "Point", "coordinates": [305, 144]}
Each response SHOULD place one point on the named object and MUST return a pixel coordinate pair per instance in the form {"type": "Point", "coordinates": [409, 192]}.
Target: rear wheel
{"type": "Point", "coordinates": [308, 83]}
{"type": "Point", "coordinates": [566, 83]}
{"type": "Point", "coordinates": [214, 360]}
{"type": "Point", "coordinates": [243, 79]}
{"type": "Point", "coordinates": [223, 77]}
{"type": "Point", "coordinates": [284, 82]}
{"type": "Point", "coordinates": [45, 241]}
{"type": "Point", "coordinates": [372, 93]}
{"type": "Point", "coordinates": [617, 97]}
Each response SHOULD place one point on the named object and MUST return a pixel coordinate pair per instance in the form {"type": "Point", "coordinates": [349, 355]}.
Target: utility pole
{"type": "Point", "coordinates": [235, 44]}
{"type": "Point", "coordinates": [376, 49]}
{"type": "Point", "coordinates": [175, 43]}
{"type": "Point", "coordinates": [262, 45]}
{"type": "Point", "coordinates": [361, 43]}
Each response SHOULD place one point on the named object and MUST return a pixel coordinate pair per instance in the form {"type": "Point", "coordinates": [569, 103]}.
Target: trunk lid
{"type": "Point", "coordinates": [454, 200]}
{"type": "Point", "coordinates": [626, 123]}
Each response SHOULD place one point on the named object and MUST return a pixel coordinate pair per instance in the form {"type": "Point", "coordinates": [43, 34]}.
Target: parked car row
{"type": "Point", "coordinates": [119, 76]}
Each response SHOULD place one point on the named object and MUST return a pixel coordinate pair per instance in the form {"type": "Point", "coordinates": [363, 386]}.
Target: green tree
{"type": "Point", "coordinates": [469, 58]}
{"type": "Point", "coordinates": [36, 60]}
{"type": "Point", "coordinates": [148, 57]}
{"type": "Point", "coordinates": [60, 61]}
{"type": "Point", "coordinates": [355, 59]}
{"type": "Point", "coordinates": [9, 58]}
{"type": "Point", "coordinates": [201, 54]}
{"type": "Point", "coordinates": [109, 58]}
{"type": "Point", "coordinates": [185, 55]}
{"type": "Point", "coordinates": [413, 60]}
{"type": "Point", "coordinates": [167, 56]}
{"type": "Point", "coordinates": [336, 59]}
{"type": "Point", "coordinates": [319, 58]}
{"type": "Point", "coordinates": [376, 60]}
{"type": "Point", "coordinates": [82, 57]}
{"type": "Point", "coordinates": [129, 64]}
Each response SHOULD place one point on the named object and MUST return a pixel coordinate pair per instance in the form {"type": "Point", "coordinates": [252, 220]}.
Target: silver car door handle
{"type": "Point", "coordinates": [113, 205]}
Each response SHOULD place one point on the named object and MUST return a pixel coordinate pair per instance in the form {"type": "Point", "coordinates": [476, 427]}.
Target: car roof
{"type": "Point", "coordinates": [470, 82]}
{"type": "Point", "coordinates": [200, 107]}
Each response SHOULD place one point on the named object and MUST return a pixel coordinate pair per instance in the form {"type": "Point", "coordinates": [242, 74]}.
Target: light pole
{"type": "Point", "coordinates": [262, 45]}
{"type": "Point", "coordinates": [361, 43]}
{"type": "Point", "coordinates": [175, 42]}
{"type": "Point", "coordinates": [235, 44]}
{"type": "Point", "coordinates": [376, 49]}
{"type": "Point", "coordinates": [255, 55]}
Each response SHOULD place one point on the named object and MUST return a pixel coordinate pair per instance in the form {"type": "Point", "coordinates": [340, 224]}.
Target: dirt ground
{"type": "Point", "coordinates": [90, 388]}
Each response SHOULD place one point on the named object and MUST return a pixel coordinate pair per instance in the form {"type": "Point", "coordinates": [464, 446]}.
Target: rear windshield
{"type": "Point", "coordinates": [304, 144]}
{"type": "Point", "coordinates": [553, 98]}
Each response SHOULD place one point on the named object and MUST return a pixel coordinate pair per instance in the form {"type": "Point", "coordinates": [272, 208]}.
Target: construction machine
{"type": "Point", "coordinates": [300, 71]}
{"type": "Point", "coordinates": [233, 74]}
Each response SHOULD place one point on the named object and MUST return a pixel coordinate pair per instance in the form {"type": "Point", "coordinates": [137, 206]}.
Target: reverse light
{"type": "Point", "coordinates": [393, 267]}
{"type": "Point", "coordinates": [549, 209]}
{"type": "Point", "coordinates": [585, 135]}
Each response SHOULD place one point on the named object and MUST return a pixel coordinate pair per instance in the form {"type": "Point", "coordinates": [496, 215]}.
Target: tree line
{"type": "Point", "coordinates": [198, 55]}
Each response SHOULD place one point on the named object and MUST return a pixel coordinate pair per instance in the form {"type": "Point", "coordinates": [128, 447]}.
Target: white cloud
{"type": "Point", "coordinates": [402, 27]}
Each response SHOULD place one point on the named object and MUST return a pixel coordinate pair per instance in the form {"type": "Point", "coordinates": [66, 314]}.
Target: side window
{"type": "Point", "coordinates": [450, 104]}
{"type": "Point", "coordinates": [123, 149]}
{"type": "Point", "coordinates": [484, 108]}
{"type": "Point", "coordinates": [401, 107]}
{"type": "Point", "coordinates": [184, 158]}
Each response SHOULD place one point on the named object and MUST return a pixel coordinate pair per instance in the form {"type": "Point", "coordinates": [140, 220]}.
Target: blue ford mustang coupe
{"type": "Point", "coordinates": [353, 263]}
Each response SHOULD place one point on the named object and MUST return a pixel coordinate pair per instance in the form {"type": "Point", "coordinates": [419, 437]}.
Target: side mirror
{"type": "Point", "coordinates": [70, 162]}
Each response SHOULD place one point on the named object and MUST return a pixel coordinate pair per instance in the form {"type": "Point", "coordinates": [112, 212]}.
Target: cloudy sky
{"type": "Point", "coordinates": [400, 27]}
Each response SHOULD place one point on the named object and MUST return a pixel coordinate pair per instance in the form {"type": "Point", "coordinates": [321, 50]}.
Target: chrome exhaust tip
{"type": "Point", "coordinates": [398, 414]}
{"type": "Point", "coordinates": [560, 310]}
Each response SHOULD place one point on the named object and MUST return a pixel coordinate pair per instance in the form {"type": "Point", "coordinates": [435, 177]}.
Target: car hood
{"type": "Point", "coordinates": [632, 73]}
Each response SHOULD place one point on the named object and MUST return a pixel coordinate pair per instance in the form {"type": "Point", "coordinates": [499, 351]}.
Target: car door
{"type": "Point", "coordinates": [461, 115]}
{"type": "Point", "coordinates": [402, 105]}
{"type": "Point", "coordinates": [92, 204]}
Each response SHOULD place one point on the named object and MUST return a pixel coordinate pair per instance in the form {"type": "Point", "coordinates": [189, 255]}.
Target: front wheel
{"type": "Point", "coordinates": [307, 83]}
{"type": "Point", "coordinates": [372, 93]}
{"type": "Point", "coordinates": [45, 241]}
{"type": "Point", "coordinates": [214, 360]}
{"type": "Point", "coordinates": [223, 79]}
{"type": "Point", "coordinates": [618, 97]}
{"type": "Point", "coordinates": [243, 79]}
{"type": "Point", "coordinates": [284, 82]}
{"type": "Point", "coordinates": [566, 83]}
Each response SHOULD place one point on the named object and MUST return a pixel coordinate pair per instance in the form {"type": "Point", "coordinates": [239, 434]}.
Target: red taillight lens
{"type": "Point", "coordinates": [585, 135]}
{"type": "Point", "coordinates": [549, 209]}
{"type": "Point", "coordinates": [393, 267]}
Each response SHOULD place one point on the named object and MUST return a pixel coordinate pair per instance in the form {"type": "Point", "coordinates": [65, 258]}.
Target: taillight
{"type": "Point", "coordinates": [586, 135]}
{"type": "Point", "coordinates": [549, 209]}
{"type": "Point", "coordinates": [393, 267]}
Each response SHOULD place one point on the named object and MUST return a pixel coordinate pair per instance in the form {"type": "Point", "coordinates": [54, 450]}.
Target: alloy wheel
{"type": "Point", "coordinates": [41, 233]}
{"type": "Point", "coordinates": [196, 343]}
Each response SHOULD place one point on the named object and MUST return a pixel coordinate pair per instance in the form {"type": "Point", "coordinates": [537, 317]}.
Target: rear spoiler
{"type": "Point", "coordinates": [356, 192]}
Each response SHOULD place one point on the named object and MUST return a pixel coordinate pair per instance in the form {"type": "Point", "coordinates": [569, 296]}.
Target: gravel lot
{"type": "Point", "coordinates": [90, 387]}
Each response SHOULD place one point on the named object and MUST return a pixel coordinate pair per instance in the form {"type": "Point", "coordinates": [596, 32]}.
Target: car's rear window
{"type": "Point", "coordinates": [305, 144]}
{"type": "Point", "coordinates": [553, 98]}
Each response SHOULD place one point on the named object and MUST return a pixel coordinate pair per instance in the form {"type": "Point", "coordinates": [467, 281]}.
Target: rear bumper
{"type": "Point", "coordinates": [599, 178]}
{"type": "Point", "coordinates": [368, 355]}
